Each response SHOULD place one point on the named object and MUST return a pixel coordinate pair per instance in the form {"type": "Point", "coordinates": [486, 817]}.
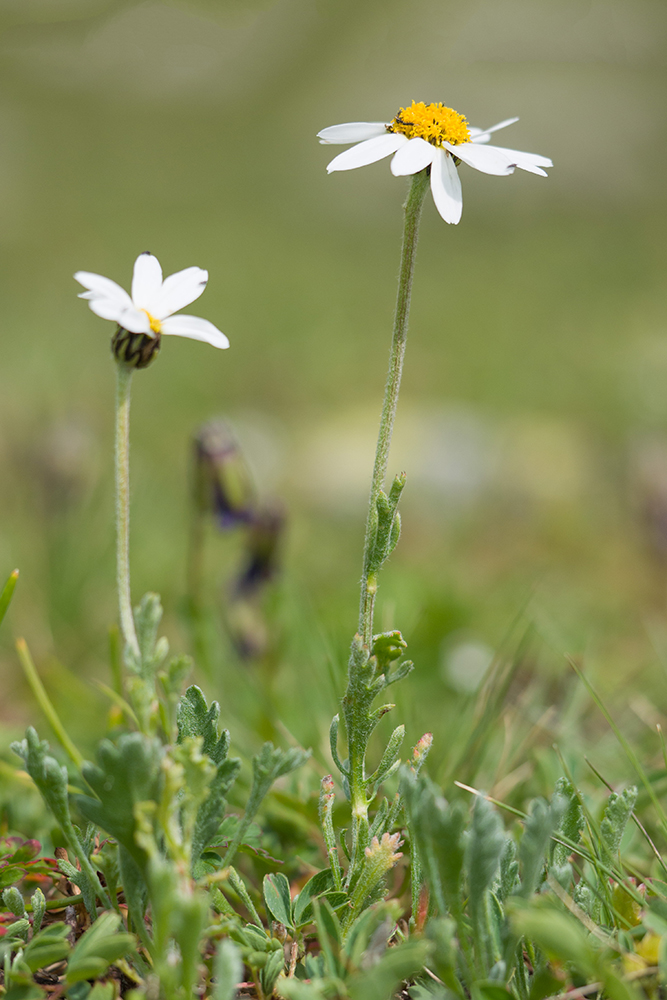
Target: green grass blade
{"type": "Point", "coordinates": [45, 704]}
{"type": "Point", "coordinates": [629, 752]}
{"type": "Point", "coordinates": [7, 593]}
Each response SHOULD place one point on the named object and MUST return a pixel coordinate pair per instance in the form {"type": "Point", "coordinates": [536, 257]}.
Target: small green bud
{"type": "Point", "coordinates": [135, 350]}
{"type": "Point", "coordinates": [13, 900]}
{"type": "Point", "coordinates": [18, 929]}
{"type": "Point", "coordinates": [38, 903]}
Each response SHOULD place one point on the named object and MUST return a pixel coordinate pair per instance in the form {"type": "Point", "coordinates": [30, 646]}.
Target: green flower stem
{"type": "Point", "coordinates": [413, 209]}
{"type": "Point", "coordinates": [123, 507]}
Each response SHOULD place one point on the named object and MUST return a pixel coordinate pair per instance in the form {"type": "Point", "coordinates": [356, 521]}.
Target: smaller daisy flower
{"type": "Point", "coordinates": [430, 136]}
{"type": "Point", "coordinates": [149, 312]}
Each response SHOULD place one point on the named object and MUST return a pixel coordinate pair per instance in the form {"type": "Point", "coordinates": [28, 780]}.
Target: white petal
{"type": "Point", "coordinates": [477, 132]}
{"type": "Point", "coordinates": [351, 132]}
{"type": "Point", "coordinates": [488, 159]}
{"type": "Point", "coordinates": [368, 152]}
{"type": "Point", "coordinates": [412, 157]}
{"type": "Point", "coordinates": [146, 281]}
{"type": "Point", "coordinates": [503, 124]}
{"type": "Point", "coordinates": [97, 284]}
{"type": "Point", "coordinates": [532, 162]}
{"type": "Point", "coordinates": [178, 291]}
{"type": "Point", "coordinates": [195, 328]}
{"type": "Point", "coordinates": [446, 187]}
{"type": "Point", "coordinates": [126, 316]}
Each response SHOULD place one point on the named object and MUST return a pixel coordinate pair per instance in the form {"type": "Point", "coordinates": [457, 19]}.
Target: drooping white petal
{"type": "Point", "coordinates": [532, 162]}
{"type": "Point", "coordinates": [368, 152]}
{"type": "Point", "coordinates": [446, 187]}
{"type": "Point", "coordinates": [195, 328]}
{"type": "Point", "coordinates": [146, 281]}
{"type": "Point", "coordinates": [178, 291]}
{"type": "Point", "coordinates": [412, 157]}
{"type": "Point", "coordinates": [476, 133]}
{"type": "Point", "coordinates": [98, 285]}
{"type": "Point", "coordinates": [488, 159]}
{"type": "Point", "coordinates": [126, 316]}
{"type": "Point", "coordinates": [351, 132]}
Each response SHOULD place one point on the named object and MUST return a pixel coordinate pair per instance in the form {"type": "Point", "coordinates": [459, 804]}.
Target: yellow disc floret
{"type": "Point", "coordinates": [433, 122]}
{"type": "Point", "coordinates": [155, 324]}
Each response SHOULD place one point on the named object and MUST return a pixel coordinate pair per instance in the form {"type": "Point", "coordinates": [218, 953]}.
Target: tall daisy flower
{"type": "Point", "coordinates": [430, 136]}
{"type": "Point", "coordinates": [143, 318]}
{"type": "Point", "coordinates": [427, 142]}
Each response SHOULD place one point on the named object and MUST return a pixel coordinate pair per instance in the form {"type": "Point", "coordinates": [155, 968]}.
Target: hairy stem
{"type": "Point", "coordinates": [413, 209]}
{"type": "Point", "coordinates": [123, 507]}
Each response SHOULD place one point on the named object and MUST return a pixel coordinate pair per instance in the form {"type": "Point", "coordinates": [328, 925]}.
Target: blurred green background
{"type": "Point", "coordinates": [533, 418]}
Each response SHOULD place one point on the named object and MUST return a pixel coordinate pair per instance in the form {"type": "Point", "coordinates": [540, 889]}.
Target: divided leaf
{"type": "Point", "coordinates": [616, 814]}
{"type": "Point", "coordinates": [128, 773]}
{"type": "Point", "coordinates": [195, 718]}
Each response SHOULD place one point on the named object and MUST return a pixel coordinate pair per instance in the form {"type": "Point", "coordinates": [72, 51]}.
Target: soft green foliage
{"type": "Point", "coordinates": [102, 944]}
{"type": "Point", "coordinates": [490, 906]}
{"type": "Point", "coordinates": [126, 774]}
{"type": "Point", "coordinates": [160, 793]}
{"type": "Point", "coordinates": [542, 820]}
{"type": "Point", "coordinates": [47, 946]}
{"type": "Point", "coordinates": [267, 766]}
{"type": "Point", "coordinates": [227, 970]}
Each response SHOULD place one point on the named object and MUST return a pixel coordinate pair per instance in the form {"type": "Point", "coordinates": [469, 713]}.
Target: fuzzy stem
{"type": "Point", "coordinates": [413, 209]}
{"type": "Point", "coordinates": [123, 507]}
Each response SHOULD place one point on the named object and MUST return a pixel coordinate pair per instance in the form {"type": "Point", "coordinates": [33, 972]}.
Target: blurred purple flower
{"type": "Point", "coordinates": [223, 486]}
{"type": "Point", "coordinates": [262, 550]}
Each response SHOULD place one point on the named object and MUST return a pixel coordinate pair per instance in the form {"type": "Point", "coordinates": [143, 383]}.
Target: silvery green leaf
{"type": "Point", "coordinates": [227, 971]}
{"type": "Point", "coordinates": [127, 773]}
{"type": "Point", "coordinates": [616, 814]}
{"type": "Point", "coordinates": [195, 718]}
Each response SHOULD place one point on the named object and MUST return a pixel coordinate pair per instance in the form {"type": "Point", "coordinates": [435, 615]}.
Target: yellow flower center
{"type": "Point", "coordinates": [155, 324]}
{"type": "Point", "coordinates": [433, 122]}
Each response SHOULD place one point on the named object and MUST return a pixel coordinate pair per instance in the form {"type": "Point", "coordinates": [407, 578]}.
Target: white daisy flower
{"type": "Point", "coordinates": [150, 310]}
{"type": "Point", "coordinates": [430, 135]}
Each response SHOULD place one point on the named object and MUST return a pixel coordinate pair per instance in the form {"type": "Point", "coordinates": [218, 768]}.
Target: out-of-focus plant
{"type": "Point", "coordinates": [223, 492]}
{"type": "Point", "coordinates": [246, 620]}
